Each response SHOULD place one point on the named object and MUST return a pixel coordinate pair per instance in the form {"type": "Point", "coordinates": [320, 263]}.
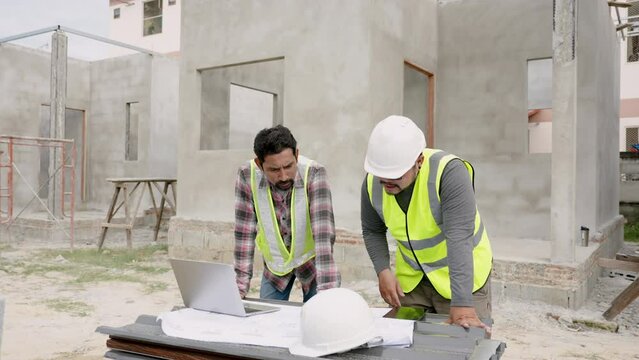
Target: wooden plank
{"type": "Point", "coordinates": [619, 4]}
{"type": "Point", "coordinates": [623, 300]}
{"type": "Point", "coordinates": [155, 207]}
{"type": "Point", "coordinates": [109, 216]}
{"type": "Point", "coordinates": [123, 186]}
{"type": "Point", "coordinates": [126, 180]}
{"type": "Point", "coordinates": [117, 226]}
{"type": "Point", "coordinates": [165, 195]}
{"type": "Point", "coordinates": [159, 215]}
{"type": "Point", "coordinates": [137, 203]}
{"type": "Point", "coordinates": [628, 254]}
{"type": "Point", "coordinates": [174, 190]}
{"type": "Point", "coordinates": [164, 352]}
{"type": "Point", "coordinates": [618, 264]}
{"type": "Point", "coordinates": [129, 236]}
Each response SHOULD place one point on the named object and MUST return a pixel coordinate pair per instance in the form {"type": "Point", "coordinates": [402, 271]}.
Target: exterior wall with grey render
{"type": "Point", "coordinates": [116, 82]}
{"type": "Point", "coordinates": [152, 84]}
{"type": "Point", "coordinates": [482, 107]}
{"type": "Point", "coordinates": [24, 85]}
{"type": "Point", "coordinates": [343, 73]}
{"type": "Point", "coordinates": [163, 138]}
{"type": "Point", "coordinates": [489, 55]}
{"type": "Point", "coordinates": [481, 115]}
{"type": "Point", "coordinates": [597, 192]}
{"type": "Point", "coordinates": [100, 90]}
{"type": "Point", "coordinates": [268, 76]}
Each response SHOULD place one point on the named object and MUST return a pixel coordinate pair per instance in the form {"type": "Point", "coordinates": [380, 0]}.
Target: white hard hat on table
{"type": "Point", "coordinates": [333, 321]}
{"type": "Point", "coordinates": [394, 145]}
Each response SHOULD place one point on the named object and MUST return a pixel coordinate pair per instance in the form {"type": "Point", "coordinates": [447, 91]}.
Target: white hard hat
{"type": "Point", "coordinates": [333, 321]}
{"type": "Point", "coordinates": [393, 147]}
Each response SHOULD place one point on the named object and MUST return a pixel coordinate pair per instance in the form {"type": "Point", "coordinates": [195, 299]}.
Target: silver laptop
{"type": "Point", "coordinates": [212, 287]}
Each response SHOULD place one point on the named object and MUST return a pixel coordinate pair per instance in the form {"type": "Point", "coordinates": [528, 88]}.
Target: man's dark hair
{"type": "Point", "coordinates": [273, 141]}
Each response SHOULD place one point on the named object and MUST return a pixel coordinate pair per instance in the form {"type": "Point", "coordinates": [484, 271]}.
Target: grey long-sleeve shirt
{"type": "Point", "coordinates": [458, 215]}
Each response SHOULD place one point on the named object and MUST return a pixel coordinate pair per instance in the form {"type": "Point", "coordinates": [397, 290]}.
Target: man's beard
{"type": "Point", "coordinates": [284, 185]}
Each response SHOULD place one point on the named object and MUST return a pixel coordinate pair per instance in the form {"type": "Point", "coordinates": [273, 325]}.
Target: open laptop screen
{"type": "Point", "coordinates": [211, 287]}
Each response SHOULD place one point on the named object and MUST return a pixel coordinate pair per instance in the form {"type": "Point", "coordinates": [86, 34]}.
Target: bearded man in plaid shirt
{"type": "Point", "coordinates": [283, 205]}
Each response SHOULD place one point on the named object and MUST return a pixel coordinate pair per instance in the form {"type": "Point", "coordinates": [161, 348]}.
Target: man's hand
{"type": "Point", "coordinates": [389, 288]}
{"type": "Point", "coordinates": [466, 317]}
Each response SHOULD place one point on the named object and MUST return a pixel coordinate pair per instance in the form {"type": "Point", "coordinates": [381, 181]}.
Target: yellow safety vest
{"type": "Point", "coordinates": [278, 258]}
{"type": "Point", "coordinates": [427, 250]}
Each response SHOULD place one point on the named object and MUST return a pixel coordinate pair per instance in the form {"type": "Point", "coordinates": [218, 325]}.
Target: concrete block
{"type": "Point", "coordinates": [193, 239]}
{"type": "Point", "coordinates": [571, 298]}
{"type": "Point", "coordinates": [352, 274]}
{"type": "Point", "coordinates": [338, 253]}
{"type": "Point", "coordinates": [227, 257]}
{"type": "Point", "coordinates": [356, 254]}
{"type": "Point", "coordinates": [174, 237]}
{"type": "Point", "coordinates": [214, 241]}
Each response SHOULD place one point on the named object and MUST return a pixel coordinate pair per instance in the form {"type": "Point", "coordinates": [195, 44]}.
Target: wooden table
{"type": "Point", "coordinates": [432, 340]}
{"type": "Point", "coordinates": [627, 260]}
{"type": "Point", "coordinates": [127, 188]}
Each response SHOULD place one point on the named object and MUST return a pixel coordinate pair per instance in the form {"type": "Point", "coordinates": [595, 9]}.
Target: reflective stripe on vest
{"type": "Point", "coordinates": [421, 225]}
{"type": "Point", "coordinates": [278, 258]}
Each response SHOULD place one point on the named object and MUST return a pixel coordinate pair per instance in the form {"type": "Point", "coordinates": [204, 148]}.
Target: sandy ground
{"type": "Point", "coordinates": [34, 329]}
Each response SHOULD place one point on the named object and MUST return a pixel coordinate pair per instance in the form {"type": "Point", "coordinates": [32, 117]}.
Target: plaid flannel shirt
{"type": "Point", "coordinates": [322, 267]}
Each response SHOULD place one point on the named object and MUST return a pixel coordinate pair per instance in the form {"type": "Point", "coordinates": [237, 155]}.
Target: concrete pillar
{"type": "Point", "coordinates": [563, 228]}
{"type": "Point", "coordinates": [57, 112]}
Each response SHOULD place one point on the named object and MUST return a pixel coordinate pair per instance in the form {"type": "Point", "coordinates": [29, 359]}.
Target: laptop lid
{"type": "Point", "coordinates": [211, 287]}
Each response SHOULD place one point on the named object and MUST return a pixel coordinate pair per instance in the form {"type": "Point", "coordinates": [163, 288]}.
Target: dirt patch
{"type": "Point", "coordinates": [60, 298]}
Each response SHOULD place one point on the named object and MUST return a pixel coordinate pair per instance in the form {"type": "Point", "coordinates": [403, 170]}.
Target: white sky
{"type": "Point", "coordinates": [91, 16]}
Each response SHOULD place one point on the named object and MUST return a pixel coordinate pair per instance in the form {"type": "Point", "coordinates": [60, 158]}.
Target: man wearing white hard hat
{"type": "Point", "coordinates": [425, 199]}
{"type": "Point", "coordinates": [283, 205]}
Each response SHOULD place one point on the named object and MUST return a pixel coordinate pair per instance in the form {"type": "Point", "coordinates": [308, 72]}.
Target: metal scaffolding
{"type": "Point", "coordinates": [65, 149]}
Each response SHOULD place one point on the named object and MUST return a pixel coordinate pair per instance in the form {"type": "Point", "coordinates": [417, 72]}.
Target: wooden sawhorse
{"type": "Point", "coordinates": [128, 186]}
{"type": "Point", "coordinates": [628, 262]}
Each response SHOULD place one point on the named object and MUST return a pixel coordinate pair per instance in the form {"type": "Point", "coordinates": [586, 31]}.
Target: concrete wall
{"type": "Point", "coordinates": [597, 191]}
{"type": "Point", "coordinates": [152, 84]}
{"type": "Point", "coordinates": [163, 139]}
{"type": "Point", "coordinates": [486, 53]}
{"type": "Point", "coordinates": [116, 82]}
{"type": "Point", "coordinates": [215, 128]}
{"type": "Point", "coordinates": [481, 107]}
{"type": "Point", "coordinates": [343, 72]}
{"type": "Point", "coordinates": [100, 89]}
{"type": "Point", "coordinates": [24, 85]}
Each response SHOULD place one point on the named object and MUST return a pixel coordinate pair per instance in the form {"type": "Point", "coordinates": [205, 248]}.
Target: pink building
{"type": "Point", "coordinates": [149, 24]}
{"type": "Point", "coordinates": [629, 78]}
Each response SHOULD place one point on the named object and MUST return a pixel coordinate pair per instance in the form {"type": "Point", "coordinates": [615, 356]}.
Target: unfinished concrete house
{"type": "Point", "coordinates": [468, 72]}
{"type": "Point", "coordinates": [120, 112]}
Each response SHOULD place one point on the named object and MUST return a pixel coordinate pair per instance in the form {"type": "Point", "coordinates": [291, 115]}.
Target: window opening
{"type": "Point", "coordinates": [131, 137]}
{"type": "Point", "coordinates": [540, 106]}
{"type": "Point", "coordinates": [152, 17]}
